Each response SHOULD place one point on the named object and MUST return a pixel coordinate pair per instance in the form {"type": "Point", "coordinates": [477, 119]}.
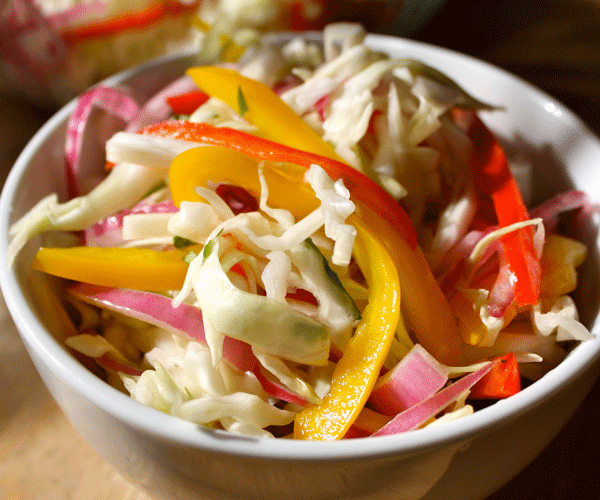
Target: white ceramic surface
{"type": "Point", "coordinates": [177, 459]}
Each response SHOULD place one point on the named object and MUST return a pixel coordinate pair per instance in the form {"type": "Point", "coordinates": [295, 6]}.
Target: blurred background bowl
{"type": "Point", "coordinates": [51, 51]}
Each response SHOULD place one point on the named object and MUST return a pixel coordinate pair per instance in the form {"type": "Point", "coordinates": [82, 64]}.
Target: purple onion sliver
{"type": "Point", "coordinates": [418, 414]}
{"type": "Point", "coordinates": [158, 310]}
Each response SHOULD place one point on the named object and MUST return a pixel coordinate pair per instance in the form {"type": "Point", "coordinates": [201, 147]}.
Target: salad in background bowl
{"type": "Point", "coordinates": [53, 50]}
{"type": "Point", "coordinates": [352, 279]}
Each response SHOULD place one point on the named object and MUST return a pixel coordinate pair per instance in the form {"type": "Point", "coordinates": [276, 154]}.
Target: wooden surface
{"type": "Point", "coordinates": [553, 44]}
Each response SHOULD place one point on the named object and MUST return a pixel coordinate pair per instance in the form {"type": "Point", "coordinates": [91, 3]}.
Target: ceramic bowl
{"type": "Point", "coordinates": [173, 458]}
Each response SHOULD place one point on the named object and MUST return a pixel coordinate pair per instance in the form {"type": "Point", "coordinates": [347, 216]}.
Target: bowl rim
{"type": "Point", "coordinates": [40, 342]}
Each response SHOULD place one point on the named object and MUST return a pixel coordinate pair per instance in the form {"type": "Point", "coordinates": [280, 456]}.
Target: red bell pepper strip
{"type": "Point", "coordinates": [186, 104]}
{"type": "Point", "coordinates": [493, 179]}
{"type": "Point", "coordinates": [361, 186]}
{"type": "Point", "coordinates": [502, 381]}
{"type": "Point", "coordinates": [128, 21]}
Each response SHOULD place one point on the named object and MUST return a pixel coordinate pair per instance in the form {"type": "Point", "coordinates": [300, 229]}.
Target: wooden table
{"type": "Point", "coordinates": [554, 44]}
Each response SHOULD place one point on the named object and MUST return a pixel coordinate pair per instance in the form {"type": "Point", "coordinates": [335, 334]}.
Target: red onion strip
{"type": "Point", "coordinates": [502, 294]}
{"type": "Point", "coordinates": [415, 378]}
{"type": "Point", "coordinates": [418, 414]}
{"type": "Point", "coordinates": [118, 107]}
{"type": "Point", "coordinates": [276, 389]}
{"type": "Point", "coordinates": [157, 310]}
{"type": "Point", "coordinates": [550, 210]}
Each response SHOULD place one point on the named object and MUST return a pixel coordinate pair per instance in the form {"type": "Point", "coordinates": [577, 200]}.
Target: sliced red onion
{"type": "Point", "coordinates": [287, 83]}
{"type": "Point", "coordinates": [237, 198]}
{"type": "Point", "coordinates": [550, 210]}
{"type": "Point", "coordinates": [454, 262]}
{"type": "Point", "coordinates": [108, 231]}
{"type": "Point", "coordinates": [276, 389]}
{"type": "Point", "coordinates": [321, 106]}
{"type": "Point", "coordinates": [415, 378]}
{"type": "Point", "coordinates": [156, 108]}
{"type": "Point", "coordinates": [109, 358]}
{"type": "Point", "coordinates": [417, 415]}
{"type": "Point", "coordinates": [158, 310]}
{"type": "Point", "coordinates": [87, 133]}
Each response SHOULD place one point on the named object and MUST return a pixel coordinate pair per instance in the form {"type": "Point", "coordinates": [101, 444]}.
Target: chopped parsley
{"type": "Point", "coordinates": [242, 101]}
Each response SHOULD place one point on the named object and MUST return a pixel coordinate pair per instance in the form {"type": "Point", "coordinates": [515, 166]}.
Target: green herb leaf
{"type": "Point", "coordinates": [241, 101]}
{"type": "Point", "coordinates": [209, 246]}
{"type": "Point", "coordinates": [179, 242]}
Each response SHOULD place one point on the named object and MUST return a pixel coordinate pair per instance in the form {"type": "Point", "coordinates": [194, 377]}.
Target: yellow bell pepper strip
{"type": "Point", "coordinates": [560, 259]}
{"type": "Point", "coordinates": [56, 318]}
{"type": "Point", "coordinates": [197, 166]}
{"type": "Point", "coordinates": [494, 179]}
{"type": "Point", "coordinates": [425, 308]}
{"type": "Point", "coordinates": [275, 120]}
{"type": "Point", "coordinates": [356, 372]}
{"type": "Point", "coordinates": [134, 268]}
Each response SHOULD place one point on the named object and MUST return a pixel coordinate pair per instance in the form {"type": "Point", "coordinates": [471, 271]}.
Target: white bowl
{"type": "Point", "coordinates": [462, 460]}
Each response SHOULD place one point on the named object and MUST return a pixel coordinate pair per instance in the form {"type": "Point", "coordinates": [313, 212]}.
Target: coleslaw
{"type": "Point", "coordinates": [313, 241]}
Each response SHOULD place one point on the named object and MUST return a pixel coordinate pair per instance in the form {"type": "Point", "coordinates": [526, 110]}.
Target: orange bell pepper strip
{"type": "Point", "coordinates": [502, 381]}
{"type": "Point", "coordinates": [356, 372]}
{"type": "Point", "coordinates": [275, 120]}
{"type": "Point", "coordinates": [493, 178]}
{"type": "Point", "coordinates": [186, 104]}
{"type": "Point", "coordinates": [134, 268]}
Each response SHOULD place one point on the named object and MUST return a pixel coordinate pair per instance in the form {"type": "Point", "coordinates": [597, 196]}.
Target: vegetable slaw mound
{"type": "Point", "coordinates": [316, 242]}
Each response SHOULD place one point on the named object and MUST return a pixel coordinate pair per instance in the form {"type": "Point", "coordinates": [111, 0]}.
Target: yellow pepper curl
{"type": "Point", "coordinates": [357, 371]}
